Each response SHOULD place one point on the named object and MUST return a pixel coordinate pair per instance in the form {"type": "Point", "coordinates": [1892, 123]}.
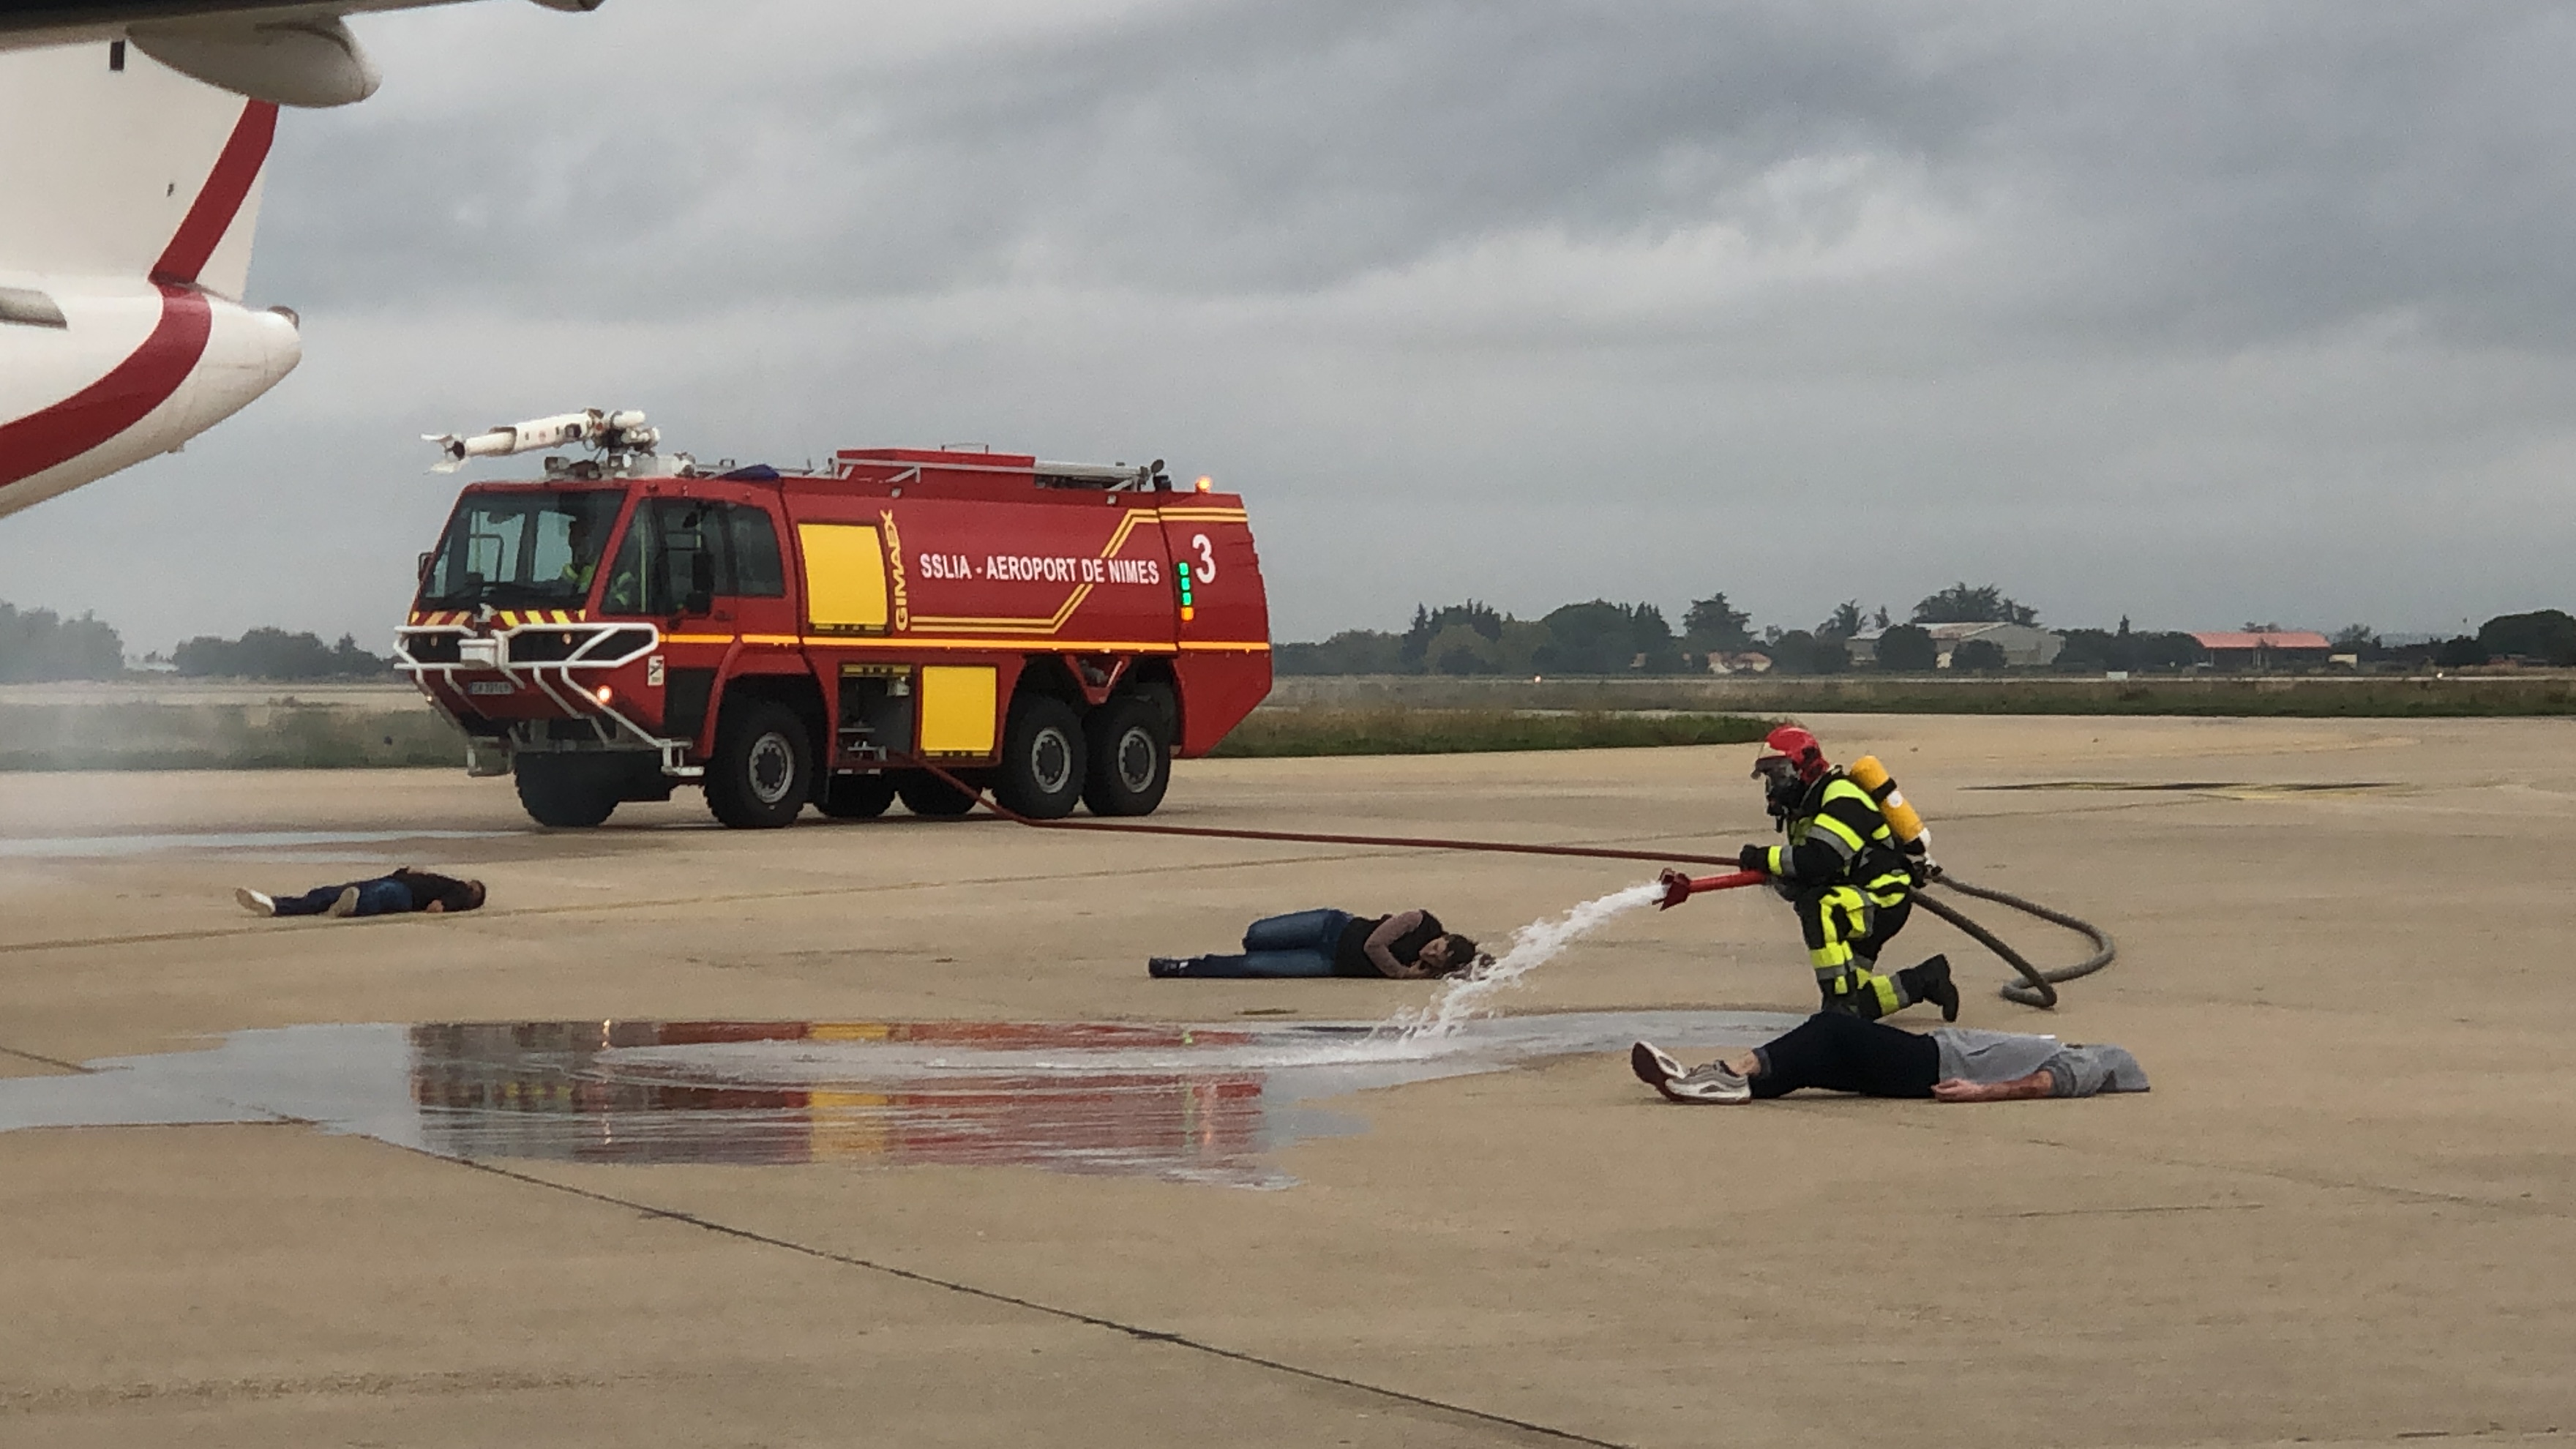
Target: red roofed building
{"type": "Point", "coordinates": [2263, 651]}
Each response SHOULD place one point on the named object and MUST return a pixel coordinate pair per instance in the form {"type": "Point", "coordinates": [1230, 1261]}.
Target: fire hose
{"type": "Point", "coordinates": [2037, 986]}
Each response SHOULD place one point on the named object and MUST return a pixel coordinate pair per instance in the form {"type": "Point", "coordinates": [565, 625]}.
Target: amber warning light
{"type": "Point", "coordinates": [1206, 483]}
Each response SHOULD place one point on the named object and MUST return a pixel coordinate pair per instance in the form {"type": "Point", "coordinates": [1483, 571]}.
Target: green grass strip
{"type": "Point", "coordinates": [1271, 733]}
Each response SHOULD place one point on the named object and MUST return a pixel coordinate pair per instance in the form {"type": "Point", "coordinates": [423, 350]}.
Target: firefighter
{"type": "Point", "coordinates": [1851, 884]}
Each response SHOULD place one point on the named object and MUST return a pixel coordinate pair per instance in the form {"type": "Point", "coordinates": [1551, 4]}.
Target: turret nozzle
{"type": "Point", "coordinates": [610, 431]}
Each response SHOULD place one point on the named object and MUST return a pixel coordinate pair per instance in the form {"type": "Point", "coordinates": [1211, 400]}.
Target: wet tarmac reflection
{"type": "Point", "coordinates": [1192, 1103]}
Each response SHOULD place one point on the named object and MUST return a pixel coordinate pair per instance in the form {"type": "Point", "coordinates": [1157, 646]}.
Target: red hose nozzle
{"type": "Point", "coordinates": [1679, 887]}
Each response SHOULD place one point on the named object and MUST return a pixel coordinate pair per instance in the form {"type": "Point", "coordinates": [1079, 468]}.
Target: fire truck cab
{"type": "Point", "coordinates": [1055, 632]}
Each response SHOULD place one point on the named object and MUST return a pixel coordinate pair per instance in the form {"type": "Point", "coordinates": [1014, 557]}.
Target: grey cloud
{"type": "Point", "coordinates": [2205, 173]}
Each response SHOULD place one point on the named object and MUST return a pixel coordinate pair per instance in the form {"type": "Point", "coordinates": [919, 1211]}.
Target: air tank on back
{"type": "Point", "coordinates": [1911, 832]}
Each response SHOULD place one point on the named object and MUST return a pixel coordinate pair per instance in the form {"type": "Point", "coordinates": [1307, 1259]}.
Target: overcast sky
{"type": "Point", "coordinates": [2199, 313]}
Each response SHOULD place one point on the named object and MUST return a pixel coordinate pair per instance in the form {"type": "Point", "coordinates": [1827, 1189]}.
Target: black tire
{"type": "Point", "coordinates": [1131, 757]}
{"type": "Point", "coordinates": [562, 793]}
{"type": "Point", "coordinates": [926, 794]}
{"type": "Point", "coordinates": [856, 797]}
{"type": "Point", "coordinates": [763, 770]}
{"type": "Point", "coordinates": [1042, 758]}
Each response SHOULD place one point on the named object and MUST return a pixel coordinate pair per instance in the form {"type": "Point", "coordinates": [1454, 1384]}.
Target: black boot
{"type": "Point", "coordinates": [1931, 982]}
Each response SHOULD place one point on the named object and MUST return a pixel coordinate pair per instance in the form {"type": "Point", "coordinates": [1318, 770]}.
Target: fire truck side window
{"type": "Point", "coordinates": [693, 568]}
{"type": "Point", "coordinates": [680, 555]}
{"type": "Point", "coordinates": [758, 571]}
{"type": "Point", "coordinates": [626, 573]}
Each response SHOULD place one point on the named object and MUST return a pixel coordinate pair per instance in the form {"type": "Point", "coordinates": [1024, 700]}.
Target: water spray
{"type": "Point", "coordinates": [1533, 946]}
{"type": "Point", "coordinates": [2037, 987]}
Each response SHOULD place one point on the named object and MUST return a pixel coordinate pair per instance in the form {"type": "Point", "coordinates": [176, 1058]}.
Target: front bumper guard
{"type": "Point", "coordinates": [612, 727]}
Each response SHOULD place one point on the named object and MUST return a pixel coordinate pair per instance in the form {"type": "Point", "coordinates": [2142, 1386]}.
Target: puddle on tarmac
{"type": "Point", "coordinates": [94, 847]}
{"type": "Point", "coordinates": [1198, 1104]}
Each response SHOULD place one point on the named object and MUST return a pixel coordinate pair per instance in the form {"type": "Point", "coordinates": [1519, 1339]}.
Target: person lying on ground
{"type": "Point", "coordinates": [1406, 945]}
{"type": "Point", "coordinates": [388, 895]}
{"type": "Point", "coordinates": [1839, 1052]}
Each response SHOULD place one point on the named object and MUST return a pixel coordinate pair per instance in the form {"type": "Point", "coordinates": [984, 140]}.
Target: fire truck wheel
{"type": "Point", "coordinates": [1042, 758]}
{"type": "Point", "coordinates": [857, 797]}
{"type": "Point", "coordinates": [762, 773]}
{"type": "Point", "coordinates": [1131, 758]}
{"type": "Point", "coordinates": [926, 794]}
{"type": "Point", "coordinates": [562, 793]}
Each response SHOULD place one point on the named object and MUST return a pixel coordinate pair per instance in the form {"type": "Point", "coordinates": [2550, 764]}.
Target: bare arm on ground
{"type": "Point", "coordinates": [2037, 1084]}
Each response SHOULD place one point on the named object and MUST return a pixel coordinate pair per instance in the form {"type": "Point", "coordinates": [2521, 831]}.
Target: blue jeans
{"type": "Point", "coordinates": [1298, 944]}
{"type": "Point", "coordinates": [382, 897]}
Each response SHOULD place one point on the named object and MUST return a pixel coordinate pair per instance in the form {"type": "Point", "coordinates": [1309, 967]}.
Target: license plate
{"type": "Point", "coordinates": [491, 686]}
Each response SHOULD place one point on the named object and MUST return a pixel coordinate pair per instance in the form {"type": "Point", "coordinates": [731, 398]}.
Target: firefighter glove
{"type": "Point", "coordinates": [1754, 857]}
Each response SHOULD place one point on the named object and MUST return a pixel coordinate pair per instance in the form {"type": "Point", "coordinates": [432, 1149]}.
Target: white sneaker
{"type": "Point", "coordinates": [345, 906]}
{"type": "Point", "coordinates": [1711, 1083]}
{"type": "Point", "coordinates": [258, 903]}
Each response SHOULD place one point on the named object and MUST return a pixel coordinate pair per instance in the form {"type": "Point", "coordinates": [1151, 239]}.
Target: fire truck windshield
{"type": "Point", "coordinates": [521, 550]}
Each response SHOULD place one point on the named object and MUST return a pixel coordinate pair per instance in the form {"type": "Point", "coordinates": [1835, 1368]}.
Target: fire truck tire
{"type": "Point", "coordinates": [926, 794]}
{"type": "Point", "coordinates": [562, 793]}
{"type": "Point", "coordinates": [1131, 758]}
{"type": "Point", "coordinates": [856, 797]}
{"type": "Point", "coordinates": [763, 771]}
{"type": "Point", "coordinates": [1042, 758]}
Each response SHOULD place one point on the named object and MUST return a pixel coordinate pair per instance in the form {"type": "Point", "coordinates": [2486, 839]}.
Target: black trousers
{"type": "Point", "coordinates": [1839, 1052]}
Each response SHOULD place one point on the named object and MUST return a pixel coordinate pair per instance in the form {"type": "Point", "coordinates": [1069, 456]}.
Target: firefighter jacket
{"type": "Point", "coordinates": [1837, 836]}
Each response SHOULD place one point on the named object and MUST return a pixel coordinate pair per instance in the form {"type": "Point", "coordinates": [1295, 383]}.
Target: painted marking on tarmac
{"type": "Point", "coordinates": [488, 914]}
{"type": "Point", "coordinates": [1197, 1104]}
{"type": "Point", "coordinates": [2242, 789]}
{"type": "Point", "coordinates": [98, 847]}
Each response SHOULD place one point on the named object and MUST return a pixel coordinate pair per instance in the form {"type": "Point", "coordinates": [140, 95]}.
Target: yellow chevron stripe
{"type": "Point", "coordinates": [943, 623]}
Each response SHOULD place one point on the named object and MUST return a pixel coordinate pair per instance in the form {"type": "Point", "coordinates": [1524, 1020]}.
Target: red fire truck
{"type": "Point", "coordinates": [1054, 631]}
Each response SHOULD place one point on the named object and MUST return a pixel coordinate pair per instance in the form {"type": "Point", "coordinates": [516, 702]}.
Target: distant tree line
{"type": "Point", "coordinates": [274, 654]}
{"type": "Point", "coordinates": [1601, 637]}
{"type": "Point", "coordinates": [39, 646]}
{"type": "Point", "coordinates": [2547, 636]}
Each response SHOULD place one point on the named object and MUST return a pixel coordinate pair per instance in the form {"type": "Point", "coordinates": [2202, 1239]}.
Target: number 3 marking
{"type": "Point", "coordinates": [1207, 558]}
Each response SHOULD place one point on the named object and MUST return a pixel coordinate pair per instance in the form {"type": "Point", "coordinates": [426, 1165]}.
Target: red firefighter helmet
{"type": "Point", "coordinates": [1799, 748]}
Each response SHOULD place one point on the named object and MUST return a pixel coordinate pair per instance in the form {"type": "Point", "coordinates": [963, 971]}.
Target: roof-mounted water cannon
{"type": "Point", "coordinates": [620, 439]}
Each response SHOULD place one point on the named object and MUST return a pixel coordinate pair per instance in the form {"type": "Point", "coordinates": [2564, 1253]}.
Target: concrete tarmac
{"type": "Point", "coordinates": [2341, 1217]}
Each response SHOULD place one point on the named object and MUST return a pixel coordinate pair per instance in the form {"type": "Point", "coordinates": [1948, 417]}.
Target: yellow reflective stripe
{"type": "Point", "coordinates": [1842, 789]}
{"type": "Point", "coordinates": [1885, 989]}
{"type": "Point", "coordinates": [1839, 828]}
{"type": "Point", "coordinates": [1771, 861]}
{"type": "Point", "coordinates": [915, 644]}
{"type": "Point", "coordinates": [1845, 789]}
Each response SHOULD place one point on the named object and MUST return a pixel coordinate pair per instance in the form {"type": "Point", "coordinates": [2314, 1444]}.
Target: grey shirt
{"type": "Point", "coordinates": [2075, 1070]}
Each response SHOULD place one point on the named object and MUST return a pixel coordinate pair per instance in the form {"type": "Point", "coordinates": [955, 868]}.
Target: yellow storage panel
{"type": "Point", "coordinates": [845, 576]}
{"type": "Point", "coordinates": [957, 709]}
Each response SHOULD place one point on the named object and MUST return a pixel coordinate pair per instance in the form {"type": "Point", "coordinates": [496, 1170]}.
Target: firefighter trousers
{"type": "Point", "coordinates": [1846, 927]}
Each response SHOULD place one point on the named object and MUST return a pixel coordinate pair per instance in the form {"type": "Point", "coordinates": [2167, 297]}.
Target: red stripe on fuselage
{"type": "Point", "coordinates": [107, 407]}
{"type": "Point", "coordinates": [221, 198]}
{"type": "Point", "coordinates": [153, 371]}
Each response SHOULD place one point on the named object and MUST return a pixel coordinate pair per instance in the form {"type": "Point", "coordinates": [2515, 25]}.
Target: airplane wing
{"type": "Point", "coordinates": [129, 189]}
{"type": "Point", "coordinates": [292, 54]}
